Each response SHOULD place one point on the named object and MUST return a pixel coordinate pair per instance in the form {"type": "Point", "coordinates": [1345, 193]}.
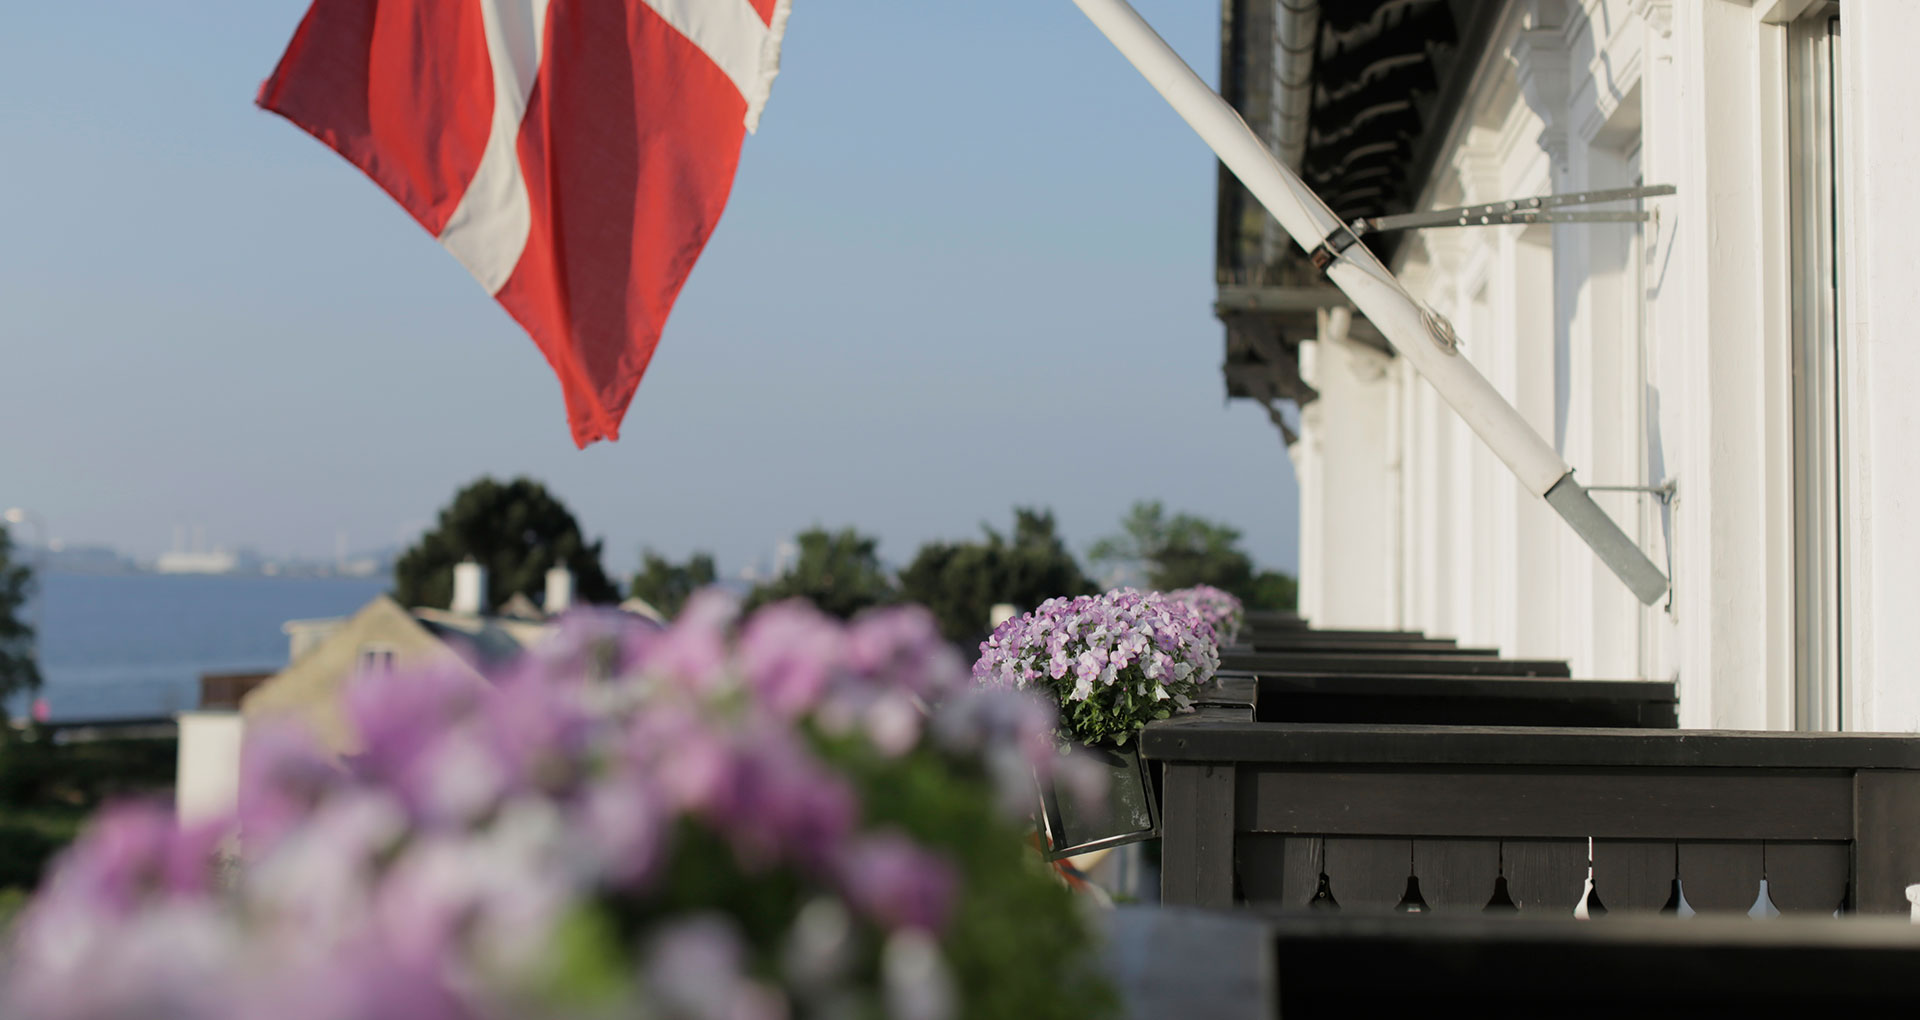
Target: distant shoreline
{"type": "Point", "coordinates": [287, 573]}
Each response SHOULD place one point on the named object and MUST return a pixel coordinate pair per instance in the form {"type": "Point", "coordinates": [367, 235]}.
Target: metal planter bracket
{"type": "Point", "coordinates": [1129, 813]}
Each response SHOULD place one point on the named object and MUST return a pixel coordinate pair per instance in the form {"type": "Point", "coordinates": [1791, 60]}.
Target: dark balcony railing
{"type": "Point", "coordinates": [1385, 698]}
{"type": "Point", "coordinates": [1450, 662]}
{"type": "Point", "coordinates": [1354, 641]}
{"type": "Point", "coordinates": [1381, 770]}
{"type": "Point", "coordinates": [1258, 812]}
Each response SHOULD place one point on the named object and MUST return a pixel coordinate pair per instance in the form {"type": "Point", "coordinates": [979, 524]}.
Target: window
{"type": "Point", "coordinates": [374, 659]}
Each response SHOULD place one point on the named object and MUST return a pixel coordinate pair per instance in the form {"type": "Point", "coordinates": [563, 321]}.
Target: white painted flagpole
{"type": "Point", "coordinates": [1419, 334]}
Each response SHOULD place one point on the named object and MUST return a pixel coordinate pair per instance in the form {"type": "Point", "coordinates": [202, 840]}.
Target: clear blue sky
{"type": "Point", "coordinates": [967, 265]}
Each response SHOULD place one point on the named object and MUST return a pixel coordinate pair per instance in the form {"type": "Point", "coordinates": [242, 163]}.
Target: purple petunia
{"type": "Point", "coordinates": [898, 883]}
{"type": "Point", "coordinates": [1110, 661]}
{"type": "Point", "coordinates": [1221, 610]}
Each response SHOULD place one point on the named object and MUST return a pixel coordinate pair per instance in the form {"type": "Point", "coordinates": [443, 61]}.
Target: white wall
{"type": "Point", "coordinates": [1881, 309]}
{"type": "Point", "coordinates": [1652, 354]}
{"type": "Point", "coordinates": [207, 782]}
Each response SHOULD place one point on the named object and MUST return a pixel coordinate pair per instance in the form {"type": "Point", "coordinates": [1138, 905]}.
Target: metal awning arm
{"type": "Point", "coordinates": [1418, 333]}
{"type": "Point", "coordinates": [1520, 210]}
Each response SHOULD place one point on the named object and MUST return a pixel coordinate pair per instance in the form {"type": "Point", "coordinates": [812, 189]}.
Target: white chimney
{"type": "Point", "coordinates": [559, 591]}
{"type": "Point", "coordinates": [469, 588]}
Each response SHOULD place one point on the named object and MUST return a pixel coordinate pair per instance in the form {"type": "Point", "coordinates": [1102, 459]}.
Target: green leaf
{"type": "Point", "coordinates": [585, 964]}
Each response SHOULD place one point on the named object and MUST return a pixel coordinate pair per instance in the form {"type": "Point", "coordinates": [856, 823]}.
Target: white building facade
{"type": "Point", "coordinates": [1747, 358]}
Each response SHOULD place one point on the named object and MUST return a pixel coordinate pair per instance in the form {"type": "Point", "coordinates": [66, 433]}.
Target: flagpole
{"type": "Point", "coordinates": [1416, 332]}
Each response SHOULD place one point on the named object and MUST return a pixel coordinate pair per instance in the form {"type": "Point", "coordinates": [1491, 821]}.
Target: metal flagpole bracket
{"type": "Point", "coordinates": [1663, 492]}
{"type": "Point", "coordinates": [1333, 245]}
{"type": "Point", "coordinates": [1666, 492]}
{"type": "Point", "coordinates": [1604, 537]}
{"type": "Point", "coordinates": [1520, 210]}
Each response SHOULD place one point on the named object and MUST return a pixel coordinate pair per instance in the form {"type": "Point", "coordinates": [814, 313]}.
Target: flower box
{"type": "Point", "coordinates": [1112, 663]}
{"type": "Point", "coordinates": [1127, 810]}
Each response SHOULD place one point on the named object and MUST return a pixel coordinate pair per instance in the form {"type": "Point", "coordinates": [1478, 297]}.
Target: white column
{"type": "Point", "coordinates": [1537, 585]}
{"type": "Point", "coordinates": [1733, 595]}
{"type": "Point", "coordinates": [1669, 368]}
{"type": "Point", "coordinates": [1305, 454]}
{"type": "Point", "coordinates": [1346, 502]}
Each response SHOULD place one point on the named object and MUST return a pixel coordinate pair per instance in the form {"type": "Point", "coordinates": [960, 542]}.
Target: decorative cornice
{"type": "Point", "coordinates": [1477, 163]}
{"type": "Point", "coordinates": [1540, 61]}
{"type": "Point", "coordinates": [1658, 14]}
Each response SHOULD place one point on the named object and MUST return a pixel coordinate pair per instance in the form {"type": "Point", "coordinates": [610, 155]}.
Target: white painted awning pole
{"type": "Point", "coordinates": [1416, 332]}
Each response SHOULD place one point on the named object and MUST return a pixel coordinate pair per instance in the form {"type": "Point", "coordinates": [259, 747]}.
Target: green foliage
{"type": "Point", "coordinates": [83, 774]}
{"type": "Point", "coordinates": [1273, 590]}
{"type": "Point", "coordinates": [1017, 943]}
{"type": "Point", "coordinates": [12, 901]}
{"type": "Point", "coordinates": [1180, 551]}
{"type": "Point", "coordinates": [518, 531]}
{"type": "Point", "coordinates": [29, 840]}
{"type": "Point", "coordinates": [19, 672]}
{"type": "Point", "coordinates": [1112, 715]}
{"type": "Point", "coordinates": [666, 585]}
{"type": "Point", "coordinates": [839, 572]}
{"type": "Point", "coordinates": [961, 582]}
{"type": "Point", "coordinates": [587, 972]}
{"type": "Point", "coordinates": [47, 790]}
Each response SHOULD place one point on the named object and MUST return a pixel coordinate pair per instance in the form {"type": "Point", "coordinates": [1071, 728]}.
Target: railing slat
{"type": "Point", "coordinates": [1545, 876]}
{"type": "Point", "coordinates": [1368, 874]}
{"type": "Point", "coordinates": [1720, 877]}
{"type": "Point", "coordinates": [1633, 875]}
{"type": "Point", "coordinates": [1807, 878]}
{"type": "Point", "coordinates": [1456, 875]}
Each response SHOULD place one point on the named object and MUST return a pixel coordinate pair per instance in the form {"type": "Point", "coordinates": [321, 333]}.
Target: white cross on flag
{"type": "Point", "coordinates": [574, 155]}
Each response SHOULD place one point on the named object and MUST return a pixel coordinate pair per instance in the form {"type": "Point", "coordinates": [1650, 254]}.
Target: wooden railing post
{"type": "Point", "coordinates": [1197, 835]}
{"type": "Point", "coordinates": [1886, 839]}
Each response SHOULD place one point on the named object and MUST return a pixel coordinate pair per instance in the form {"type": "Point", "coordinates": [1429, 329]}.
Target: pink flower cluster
{"type": "Point", "coordinates": [1223, 610]}
{"type": "Point", "coordinates": [450, 867]}
{"type": "Point", "coordinates": [1112, 662]}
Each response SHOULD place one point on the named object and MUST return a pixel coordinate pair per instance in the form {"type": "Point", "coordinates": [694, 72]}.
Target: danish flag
{"type": "Point", "coordinates": [574, 155]}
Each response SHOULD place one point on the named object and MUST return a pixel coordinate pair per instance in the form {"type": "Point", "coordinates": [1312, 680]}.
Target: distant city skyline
{"type": "Point", "coordinates": [967, 266]}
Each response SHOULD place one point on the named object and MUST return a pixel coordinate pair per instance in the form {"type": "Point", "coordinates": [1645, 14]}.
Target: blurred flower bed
{"type": "Point", "coordinates": [781, 817]}
{"type": "Point", "coordinates": [1222, 610]}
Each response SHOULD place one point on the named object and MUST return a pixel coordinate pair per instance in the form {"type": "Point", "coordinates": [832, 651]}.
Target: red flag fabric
{"type": "Point", "coordinates": [574, 155]}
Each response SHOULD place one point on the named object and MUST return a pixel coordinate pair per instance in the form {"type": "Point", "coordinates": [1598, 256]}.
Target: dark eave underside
{"type": "Point", "coordinates": [1386, 77]}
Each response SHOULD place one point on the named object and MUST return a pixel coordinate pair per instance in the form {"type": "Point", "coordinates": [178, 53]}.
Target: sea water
{"type": "Point", "coordinates": [129, 646]}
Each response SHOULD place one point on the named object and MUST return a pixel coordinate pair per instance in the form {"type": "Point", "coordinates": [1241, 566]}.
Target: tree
{"type": "Point", "coordinates": [839, 572]}
{"type": "Point", "coordinates": [1184, 550]}
{"type": "Point", "coordinates": [1273, 590]}
{"type": "Point", "coordinates": [19, 671]}
{"type": "Point", "coordinates": [960, 582]}
{"type": "Point", "coordinates": [518, 531]}
{"type": "Point", "coordinates": [666, 585]}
